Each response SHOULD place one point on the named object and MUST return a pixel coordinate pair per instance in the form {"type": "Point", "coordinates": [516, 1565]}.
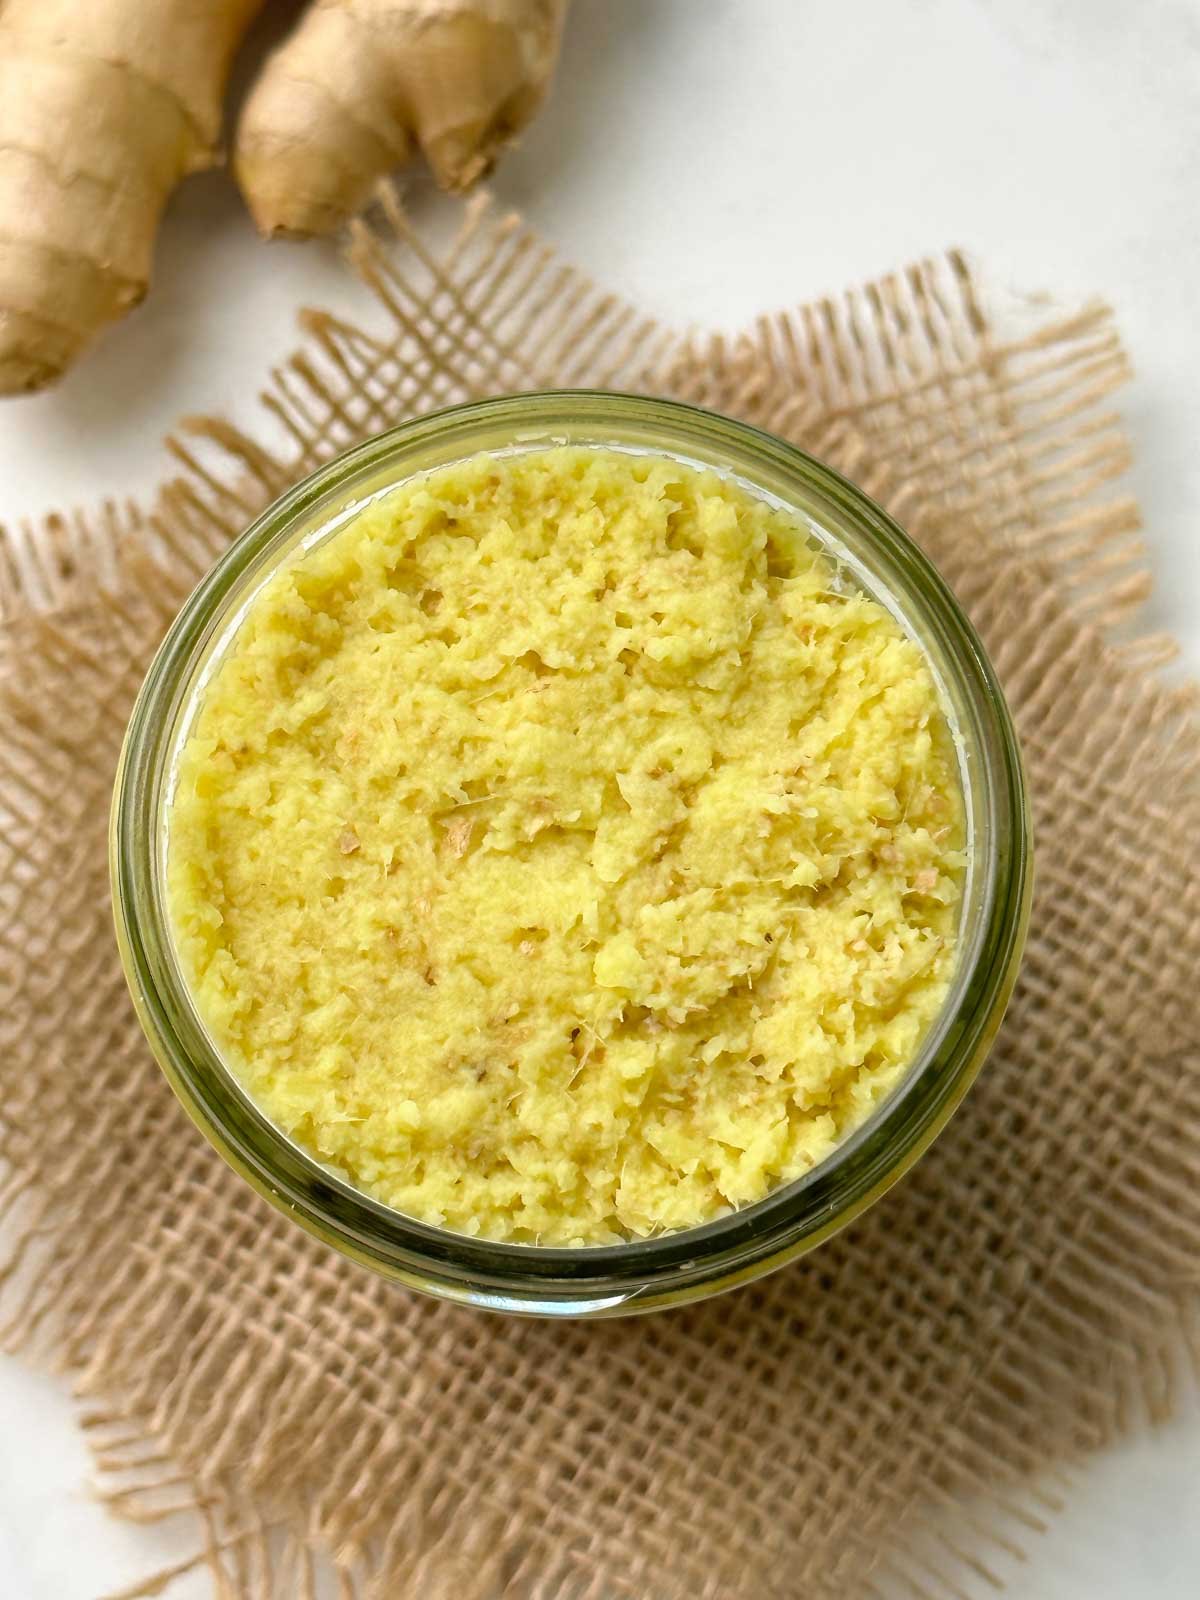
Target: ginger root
{"type": "Point", "coordinates": [104, 106]}
{"type": "Point", "coordinates": [361, 83]}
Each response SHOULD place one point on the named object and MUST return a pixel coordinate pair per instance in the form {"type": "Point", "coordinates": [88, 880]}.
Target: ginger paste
{"type": "Point", "coordinates": [564, 851]}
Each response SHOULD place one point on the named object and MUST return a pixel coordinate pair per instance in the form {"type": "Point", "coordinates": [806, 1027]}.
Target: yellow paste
{"type": "Point", "coordinates": [565, 852]}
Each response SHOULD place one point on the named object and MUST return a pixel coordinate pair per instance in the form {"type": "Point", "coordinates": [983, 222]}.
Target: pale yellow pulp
{"type": "Point", "coordinates": [563, 851]}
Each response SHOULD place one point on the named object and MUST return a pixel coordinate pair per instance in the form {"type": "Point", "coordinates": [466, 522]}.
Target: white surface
{"type": "Point", "coordinates": [709, 161]}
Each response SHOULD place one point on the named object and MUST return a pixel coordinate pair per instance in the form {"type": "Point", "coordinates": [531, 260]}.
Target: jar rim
{"type": "Point", "coordinates": [638, 1273]}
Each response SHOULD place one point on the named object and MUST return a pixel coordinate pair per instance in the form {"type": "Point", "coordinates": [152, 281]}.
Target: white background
{"type": "Point", "coordinates": [710, 160]}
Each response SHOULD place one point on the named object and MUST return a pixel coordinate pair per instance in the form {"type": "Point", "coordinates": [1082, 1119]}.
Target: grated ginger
{"type": "Point", "coordinates": [563, 853]}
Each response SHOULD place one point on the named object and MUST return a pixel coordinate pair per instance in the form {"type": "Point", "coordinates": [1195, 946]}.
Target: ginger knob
{"type": "Point", "coordinates": [104, 107]}
{"type": "Point", "coordinates": [361, 84]}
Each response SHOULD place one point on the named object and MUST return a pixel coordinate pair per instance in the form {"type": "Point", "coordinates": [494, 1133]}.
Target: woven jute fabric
{"type": "Point", "coordinates": [890, 1415]}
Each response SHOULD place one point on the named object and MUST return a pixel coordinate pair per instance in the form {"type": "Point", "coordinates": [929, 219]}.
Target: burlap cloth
{"type": "Point", "coordinates": [880, 1418]}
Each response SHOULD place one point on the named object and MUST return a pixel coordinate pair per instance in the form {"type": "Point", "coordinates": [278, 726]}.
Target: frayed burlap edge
{"type": "Point", "coordinates": [914, 1458]}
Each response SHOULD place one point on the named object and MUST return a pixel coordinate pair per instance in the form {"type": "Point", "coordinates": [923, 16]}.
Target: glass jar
{"type": "Point", "coordinates": [639, 1275]}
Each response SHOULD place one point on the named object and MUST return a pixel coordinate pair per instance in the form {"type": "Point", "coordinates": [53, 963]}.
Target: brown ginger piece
{"type": "Point", "coordinates": [104, 107]}
{"type": "Point", "coordinates": [360, 85]}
